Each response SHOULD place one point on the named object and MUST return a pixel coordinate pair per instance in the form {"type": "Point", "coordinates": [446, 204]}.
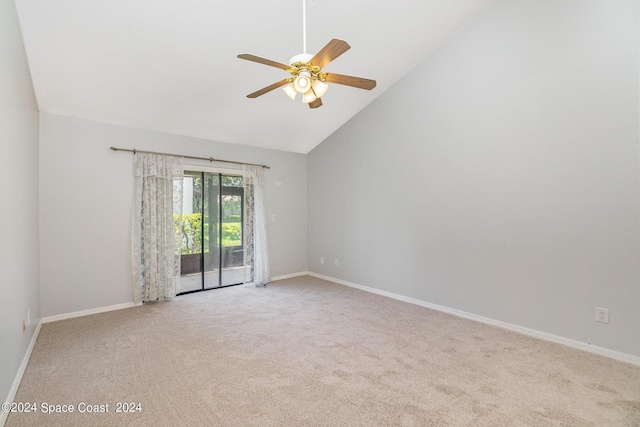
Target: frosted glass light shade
{"type": "Point", "coordinates": [290, 90]}
{"type": "Point", "coordinates": [320, 88]}
{"type": "Point", "coordinates": [308, 97]}
{"type": "Point", "coordinates": [302, 83]}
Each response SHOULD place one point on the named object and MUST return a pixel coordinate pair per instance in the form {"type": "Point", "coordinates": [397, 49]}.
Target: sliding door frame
{"type": "Point", "coordinates": [220, 172]}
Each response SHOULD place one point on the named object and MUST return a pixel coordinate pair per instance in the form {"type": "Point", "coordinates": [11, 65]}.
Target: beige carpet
{"type": "Point", "coordinates": [305, 352]}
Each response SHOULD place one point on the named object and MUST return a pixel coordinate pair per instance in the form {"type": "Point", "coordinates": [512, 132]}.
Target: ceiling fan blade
{"type": "Point", "coordinates": [331, 51]}
{"type": "Point", "coordinates": [315, 104]}
{"type": "Point", "coordinates": [264, 61]}
{"type": "Point", "coordinates": [358, 82]}
{"type": "Point", "coordinates": [268, 88]}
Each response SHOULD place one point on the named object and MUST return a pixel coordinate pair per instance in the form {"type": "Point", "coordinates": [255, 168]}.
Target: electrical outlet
{"type": "Point", "coordinates": [321, 260]}
{"type": "Point", "coordinates": [602, 315]}
{"type": "Point", "coordinates": [336, 262]}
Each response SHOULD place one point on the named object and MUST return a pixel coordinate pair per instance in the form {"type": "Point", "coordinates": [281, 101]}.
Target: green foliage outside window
{"type": "Point", "coordinates": [188, 233]}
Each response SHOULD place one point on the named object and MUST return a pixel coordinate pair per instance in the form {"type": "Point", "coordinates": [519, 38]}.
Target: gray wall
{"type": "Point", "coordinates": [501, 176]}
{"type": "Point", "coordinates": [86, 192]}
{"type": "Point", "coordinates": [19, 256]}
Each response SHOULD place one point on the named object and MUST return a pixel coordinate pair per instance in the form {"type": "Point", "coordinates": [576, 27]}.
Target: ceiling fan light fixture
{"type": "Point", "coordinates": [290, 90]}
{"type": "Point", "coordinates": [302, 83]}
{"type": "Point", "coordinates": [319, 87]}
{"type": "Point", "coordinates": [308, 97]}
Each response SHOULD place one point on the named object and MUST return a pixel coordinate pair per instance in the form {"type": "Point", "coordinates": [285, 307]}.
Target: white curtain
{"type": "Point", "coordinates": [155, 256]}
{"type": "Point", "coordinates": [256, 247]}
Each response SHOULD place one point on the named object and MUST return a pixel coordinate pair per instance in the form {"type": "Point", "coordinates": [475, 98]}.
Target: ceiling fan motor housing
{"type": "Point", "coordinates": [301, 57]}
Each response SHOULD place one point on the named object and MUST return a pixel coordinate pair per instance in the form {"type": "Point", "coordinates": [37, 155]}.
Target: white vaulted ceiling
{"type": "Point", "coordinates": [172, 66]}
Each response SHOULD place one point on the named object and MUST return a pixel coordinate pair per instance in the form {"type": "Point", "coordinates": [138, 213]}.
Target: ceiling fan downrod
{"type": "Point", "coordinates": [304, 26]}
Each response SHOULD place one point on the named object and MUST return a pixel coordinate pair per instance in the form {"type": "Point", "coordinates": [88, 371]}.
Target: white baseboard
{"type": "Point", "coordinates": [18, 378]}
{"type": "Point", "coordinates": [622, 357]}
{"type": "Point", "coordinates": [289, 276]}
{"type": "Point", "coordinates": [282, 277]}
{"type": "Point", "coordinates": [89, 312]}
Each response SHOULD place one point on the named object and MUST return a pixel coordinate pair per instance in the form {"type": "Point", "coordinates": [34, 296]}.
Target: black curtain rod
{"type": "Point", "coordinates": [211, 159]}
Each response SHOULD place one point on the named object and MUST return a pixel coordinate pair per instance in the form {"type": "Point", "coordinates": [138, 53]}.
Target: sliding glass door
{"type": "Point", "coordinates": [210, 231]}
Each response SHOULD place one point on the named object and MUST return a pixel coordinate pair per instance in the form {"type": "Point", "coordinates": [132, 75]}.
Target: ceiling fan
{"type": "Point", "coordinates": [306, 72]}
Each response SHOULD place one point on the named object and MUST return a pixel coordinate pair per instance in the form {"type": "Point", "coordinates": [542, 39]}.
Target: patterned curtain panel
{"type": "Point", "coordinates": [256, 246]}
{"type": "Point", "coordinates": [155, 256]}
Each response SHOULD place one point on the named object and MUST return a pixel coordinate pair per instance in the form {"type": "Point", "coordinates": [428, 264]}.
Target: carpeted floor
{"type": "Point", "coordinates": [305, 352]}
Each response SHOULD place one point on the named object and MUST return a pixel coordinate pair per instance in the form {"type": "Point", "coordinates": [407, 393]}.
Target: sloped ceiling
{"type": "Point", "coordinates": [171, 66]}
